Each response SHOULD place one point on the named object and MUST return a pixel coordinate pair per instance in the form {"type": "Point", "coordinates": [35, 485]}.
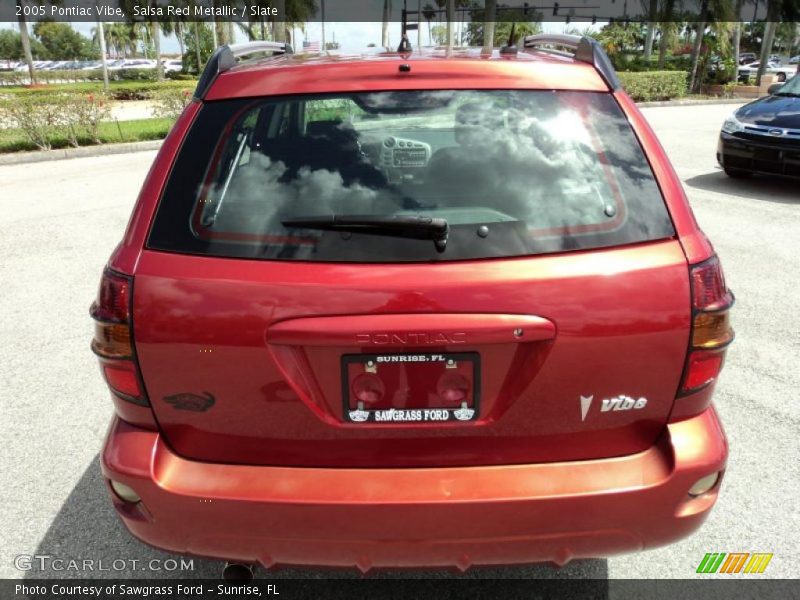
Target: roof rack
{"type": "Point", "coordinates": [584, 49]}
{"type": "Point", "coordinates": [225, 57]}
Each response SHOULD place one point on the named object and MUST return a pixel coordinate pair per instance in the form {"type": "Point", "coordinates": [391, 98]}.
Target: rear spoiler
{"type": "Point", "coordinates": [225, 57]}
{"type": "Point", "coordinates": [583, 49]}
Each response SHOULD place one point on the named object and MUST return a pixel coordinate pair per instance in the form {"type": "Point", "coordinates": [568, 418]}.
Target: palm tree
{"type": "Point", "coordinates": [99, 37]}
{"type": "Point", "coordinates": [298, 12]}
{"type": "Point", "coordinates": [720, 11]}
{"type": "Point", "coordinates": [429, 13]}
{"type": "Point", "coordinates": [488, 25]}
{"type": "Point", "coordinates": [769, 37]}
{"type": "Point", "coordinates": [698, 43]}
{"type": "Point", "coordinates": [451, 7]}
{"type": "Point", "coordinates": [174, 28]}
{"type": "Point", "coordinates": [197, 46]}
{"type": "Point", "coordinates": [279, 24]}
{"type": "Point", "coordinates": [668, 31]}
{"type": "Point", "coordinates": [118, 37]}
{"type": "Point", "coordinates": [26, 41]}
{"type": "Point", "coordinates": [651, 29]}
{"type": "Point", "coordinates": [737, 36]}
{"type": "Point", "coordinates": [155, 31]}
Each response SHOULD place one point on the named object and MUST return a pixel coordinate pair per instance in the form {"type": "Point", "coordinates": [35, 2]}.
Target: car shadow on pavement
{"type": "Point", "coordinates": [87, 528]}
{"type": "Point", "coordinates": [757, 187]}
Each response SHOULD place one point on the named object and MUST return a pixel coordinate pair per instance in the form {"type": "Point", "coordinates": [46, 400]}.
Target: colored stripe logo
{"type": "Point", "coordinates": [734, 562]}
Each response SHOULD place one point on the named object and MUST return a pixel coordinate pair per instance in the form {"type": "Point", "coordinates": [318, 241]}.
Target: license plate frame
{"type": "Point", "coordinates": [411, 416]}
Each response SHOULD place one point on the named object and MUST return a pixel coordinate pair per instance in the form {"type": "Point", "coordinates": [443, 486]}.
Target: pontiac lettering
{"type": "Point", "coordinates": [410, 339]}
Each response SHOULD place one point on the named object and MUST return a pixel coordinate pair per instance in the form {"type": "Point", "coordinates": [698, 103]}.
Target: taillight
{"type": "Point", "coordinates": [113, 339]}
{"type": "Point", "coordinates": [711, 329]}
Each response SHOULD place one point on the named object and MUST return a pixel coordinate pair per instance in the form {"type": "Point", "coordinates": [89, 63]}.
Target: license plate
{"type": "Point", "coordinates": [411, 388]}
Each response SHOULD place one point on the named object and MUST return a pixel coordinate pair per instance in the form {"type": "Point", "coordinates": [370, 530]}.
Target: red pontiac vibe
{"type": "Point", "coordinates": [412, 310]}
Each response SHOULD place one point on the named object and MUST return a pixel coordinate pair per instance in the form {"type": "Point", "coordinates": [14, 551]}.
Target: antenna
{"type": "Point", "coordinates": [405, 45]}
{"type": "Point", "coordinates": [510, 48]}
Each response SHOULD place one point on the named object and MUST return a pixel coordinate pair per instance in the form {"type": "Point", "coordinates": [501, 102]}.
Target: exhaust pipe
{"type": "Point", "coordinates": [238, 572]}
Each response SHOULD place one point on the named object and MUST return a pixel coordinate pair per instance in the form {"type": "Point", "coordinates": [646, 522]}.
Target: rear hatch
{"type": "Point", "coordinates": [550, 323]}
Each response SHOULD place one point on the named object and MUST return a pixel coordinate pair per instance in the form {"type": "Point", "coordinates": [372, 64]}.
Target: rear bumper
{"type": "Point", "coordinates": [759, 156]}
{"type": "Point", "coordinates": [435, 517]}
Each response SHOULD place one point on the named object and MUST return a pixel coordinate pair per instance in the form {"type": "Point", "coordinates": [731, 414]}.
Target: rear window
{"type": "Point", "coordinates": [512, 173]}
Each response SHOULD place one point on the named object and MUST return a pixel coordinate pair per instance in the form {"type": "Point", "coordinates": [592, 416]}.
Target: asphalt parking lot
{"type": "Point", "coordinates": [60, 220]}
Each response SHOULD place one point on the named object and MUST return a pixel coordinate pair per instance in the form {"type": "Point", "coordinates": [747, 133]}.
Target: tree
{"type": "Point", "coordinates": [737, 34]}
{"type": "Point", "coordinates": [10, 45]}
{"type": "Point", "coordinates": [488, 24]}
{"type": "Point", "coordinates": [429, 12]}
{"type": "Point", "coordinates": [118, 39]}
{"type": "Point", "coordinates": [62, 42]}
{"type": "Point", "coordinates": [651, 29]}
{"type": "Point", "coordinates": [279, 24]}
{"type": "Point", "coordinates": [719, 14]}
{"type": "Point", "coordinates": [439, 35]}
{"type": "Point", "coordinates": [698, 42]}
{"type": "Point", "coordinates": [524, 24]}
{"type": "Point", "coordinates": [156, 33]}
{"type": "Point", "coordinates": [99, 37]}
{"type": "Point", "coordinates": [25, 40]}
{"type": "Point", "coordinates": [174, 28]}
{"type": "Point", "coordinates": [621, 38]}
{"type": "Point", "coordinates": [769, 38]}
{"type": "Point", "coordinates": [199, 44]}
{"type": "Point", "coordinates": [668, 30]}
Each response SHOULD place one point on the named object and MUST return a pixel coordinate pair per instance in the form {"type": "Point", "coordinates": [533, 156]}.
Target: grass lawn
{"type": "Point", "coordinates": [14, 140]}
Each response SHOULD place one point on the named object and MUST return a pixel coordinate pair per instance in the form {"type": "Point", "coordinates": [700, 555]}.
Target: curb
{"type": "Point", "coordinates": [18, 158]}
{"type": "Point", "coordinates": [694, 102]}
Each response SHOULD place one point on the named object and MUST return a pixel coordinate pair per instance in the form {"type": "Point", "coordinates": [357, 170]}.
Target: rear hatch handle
{"type": "Point", "coordinates": [443, 329]}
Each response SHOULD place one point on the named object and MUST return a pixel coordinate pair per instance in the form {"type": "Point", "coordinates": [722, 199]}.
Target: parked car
{"type": "Point", "coordinates": [39, 65]}
{"type": "Point", "coordinates": [794, 60]}
{"type": "Point", "coordinates": [764, 135]}
{"type": "Point", "coordinates": [782, 73]}
{"type": "Point", "coordinates": [115, 65]}
{"type": "Point", "coordinates": [173, 65]}
{"type": "Point", "coordinates": [436, 309]}
{"type": "Point", "coordinates": [746, 58]}
{"type": "Point", "coordinates": [139, 63]}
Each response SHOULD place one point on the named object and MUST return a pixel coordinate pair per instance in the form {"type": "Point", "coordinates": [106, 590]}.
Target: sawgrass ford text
{"type": "Point", "coordinates": [110, 12]}
{"type": "Point", "coordinates": [145, 590]}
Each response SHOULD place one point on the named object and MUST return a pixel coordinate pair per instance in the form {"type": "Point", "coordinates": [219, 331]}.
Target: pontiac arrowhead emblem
{"type": "Point", "coordinates": [586, 402]}
{"type": "Point", "coordinates": [464, 413]}
{"type": "Point", "coordinates": [359, 416]}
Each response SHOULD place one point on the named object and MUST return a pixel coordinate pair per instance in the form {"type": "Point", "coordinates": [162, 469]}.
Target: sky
{"type": "Point", "coordinates": [351, 36]}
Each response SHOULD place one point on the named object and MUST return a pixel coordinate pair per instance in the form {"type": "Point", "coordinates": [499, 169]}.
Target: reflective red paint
{"type": "Point", "coordinates": [456, 517]}
{"type": "Point", "coordinates": [529, 480]}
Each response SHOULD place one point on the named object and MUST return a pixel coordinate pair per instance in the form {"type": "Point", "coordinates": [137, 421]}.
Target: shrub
{"type": "Point", "coordinates": [38, 117]}
{"type": "Point", "coordinates": [83, 116]}
{"type": "Point", "coordinates": [118, 90]}
{"type": "Point", "coordinates": [180, 76]}
{"type": "Point", "coordinates": [14, 140]}
{"type": "Point", "coordinates": [13, 78]}
{"type": "Point", "coordinates": [133, 74]}
{"type": "Point", "coordinates": [43, 118]}
{"type": "Point", "coordinates": [647, 86]}
{"type": "Point", "coordinates": [170, 103]}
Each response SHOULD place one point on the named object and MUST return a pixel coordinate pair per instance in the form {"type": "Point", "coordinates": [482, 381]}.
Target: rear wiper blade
{"type": "Point", "coordinates": [408, 226]}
